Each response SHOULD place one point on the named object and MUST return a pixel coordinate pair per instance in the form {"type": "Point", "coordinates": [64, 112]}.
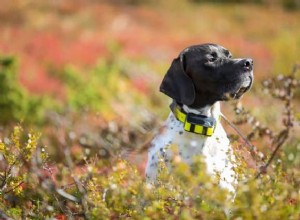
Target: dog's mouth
{"type": "Point", "coordinates": [239, 93]}
{"type": "Point", "coordinates": [244, 87]}
{"type": "Point", "coordinates": [241, 89]}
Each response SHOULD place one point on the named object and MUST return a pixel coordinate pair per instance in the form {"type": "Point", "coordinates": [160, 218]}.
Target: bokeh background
{"type": "Point", "coordinates": [80, 104]}
{"type": "Point", "coordinates": [88, 72]}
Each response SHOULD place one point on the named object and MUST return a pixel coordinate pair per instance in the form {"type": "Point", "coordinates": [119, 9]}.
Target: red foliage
{"type": "Point", "coordinates": [42, 52]}
{"type": "Point", "coordinates": [61, 217]}
{"type": "Point", "coordinates": [141, 84]}
{"type": "Point", "coordinates": [141, 32]}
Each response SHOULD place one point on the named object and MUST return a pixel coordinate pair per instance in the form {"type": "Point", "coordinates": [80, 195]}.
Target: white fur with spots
{"type": "Point", "coordinates": [215, 149]}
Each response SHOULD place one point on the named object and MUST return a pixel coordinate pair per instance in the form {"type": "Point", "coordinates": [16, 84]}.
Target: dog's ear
{"type": "Point", "coordinates": [177, 84]}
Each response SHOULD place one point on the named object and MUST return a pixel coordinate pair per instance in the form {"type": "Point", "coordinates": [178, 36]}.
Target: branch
{"type": "Point", "coordinates": [12, 189]}
{"type": "Point", "coordinates": [66, 195]}
{"type": "Point", "coordinates": [282, 137]}
{"type": "Point", "coordinates": [83, 199]}
{"type": "Point", "coordinates": [287, 122]}
{"type": "Point", "coordinates": [252, 148]}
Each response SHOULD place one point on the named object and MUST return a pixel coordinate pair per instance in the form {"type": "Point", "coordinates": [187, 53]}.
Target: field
{"type": "Point", "coordinates": [79, 105]}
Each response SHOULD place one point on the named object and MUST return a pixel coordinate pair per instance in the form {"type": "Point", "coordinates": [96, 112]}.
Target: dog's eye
{"type": "Point", "coordinates": [211, 59]}
{"type": "Point", "coordinates": [227, 54]}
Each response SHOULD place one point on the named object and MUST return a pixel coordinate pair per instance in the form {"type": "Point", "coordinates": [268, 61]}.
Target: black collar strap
{"type": "Point", "coordinates": [199, 124]}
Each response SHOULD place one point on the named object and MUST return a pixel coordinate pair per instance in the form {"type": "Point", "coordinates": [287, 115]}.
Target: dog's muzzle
{"type": "Point", "coordinates": [245, 85]}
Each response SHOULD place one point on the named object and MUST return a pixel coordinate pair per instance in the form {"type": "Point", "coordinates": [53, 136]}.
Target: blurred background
{"type": "Point", "coordinates": [86, 73]}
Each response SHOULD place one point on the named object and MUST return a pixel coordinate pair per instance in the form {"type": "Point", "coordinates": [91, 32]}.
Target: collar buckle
{"type": "Point", "coordinates": [199, 124]}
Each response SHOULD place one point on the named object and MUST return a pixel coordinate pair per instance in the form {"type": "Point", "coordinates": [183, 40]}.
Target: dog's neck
{"type": "Point", "coordinates": [209, 110]}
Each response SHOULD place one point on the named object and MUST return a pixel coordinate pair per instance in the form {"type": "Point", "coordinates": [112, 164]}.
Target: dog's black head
{"type": "Point", "coordinates": [206, 73]}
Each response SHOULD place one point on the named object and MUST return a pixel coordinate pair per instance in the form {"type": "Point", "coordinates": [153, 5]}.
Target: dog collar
{"type": "Point", "coordinates": [198, 124]}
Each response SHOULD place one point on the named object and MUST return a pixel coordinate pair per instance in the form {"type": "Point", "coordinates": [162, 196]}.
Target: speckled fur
{"type": "Point", "coordinates": [215, 149]}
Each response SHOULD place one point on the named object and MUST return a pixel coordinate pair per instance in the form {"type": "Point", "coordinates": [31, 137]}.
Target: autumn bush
{"type": "Point", "coordinates": [115, 189]}
{"type": "Point", "coordinates": [79, 106]}
{"type": "Point", "coordinates": [88, 184]}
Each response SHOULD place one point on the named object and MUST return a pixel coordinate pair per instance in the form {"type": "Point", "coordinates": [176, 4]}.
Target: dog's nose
{"type": "Point", "coordinates": [247, 64]}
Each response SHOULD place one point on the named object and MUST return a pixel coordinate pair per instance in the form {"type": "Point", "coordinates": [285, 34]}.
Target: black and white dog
{"type": "Point", "coordinates": [198, 79]}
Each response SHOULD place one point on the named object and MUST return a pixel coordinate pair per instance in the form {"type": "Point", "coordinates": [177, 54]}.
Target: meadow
{"type": "Point", "coordinates": [79, 105]}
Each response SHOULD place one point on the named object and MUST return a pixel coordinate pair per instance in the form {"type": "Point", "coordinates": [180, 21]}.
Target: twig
{"type": "Point", "coordinates": [12, 189]}
{"type": "Point", "coordinates": [282, 137]}
{"type": "Point", "coordinates": [6, 175]}
{"type": "Point", "coordinates": [66, 195]}
{"type": "Point", "coordinates": [251, 146]}
{"type": "Point", "coordinates": [288, 123]}
{"type": "Point", "coordinates": [239, 132]}
{"type": "Point", "coordinates": [83, 199]}
{"type": "Point", "coordinates": [282, 90]}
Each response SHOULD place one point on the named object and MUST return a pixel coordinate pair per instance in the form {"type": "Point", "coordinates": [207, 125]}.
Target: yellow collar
{"type": "Point", "coordinates": [198, 124]}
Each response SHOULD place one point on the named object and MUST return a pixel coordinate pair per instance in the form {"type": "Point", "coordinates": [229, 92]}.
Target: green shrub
{"type": "Point", "coordinates": [101, 87]}
{"type": "Point", "coordinates": [15, 103]}
{"type": "Point", "coordinates": [17, 154]}
{"type": "Point", "coordinates": [90, 90]}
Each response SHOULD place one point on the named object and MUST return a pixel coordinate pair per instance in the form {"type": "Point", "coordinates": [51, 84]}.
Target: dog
{"type": "Point", "coordinates": [198, 79]}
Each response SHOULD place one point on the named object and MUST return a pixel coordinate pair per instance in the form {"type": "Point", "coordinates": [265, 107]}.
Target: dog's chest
{"type": "Point", "coordinates": [189, 144]}
{"type": "Point", "coordinates": [174, 141]}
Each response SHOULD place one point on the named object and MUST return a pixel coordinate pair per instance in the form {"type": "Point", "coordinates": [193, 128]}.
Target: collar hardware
{"type": "Point", "coordinates": [198, 124]}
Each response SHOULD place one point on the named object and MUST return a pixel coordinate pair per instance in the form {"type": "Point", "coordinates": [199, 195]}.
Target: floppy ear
{"type": "Point", "coordinates": [177, 84]}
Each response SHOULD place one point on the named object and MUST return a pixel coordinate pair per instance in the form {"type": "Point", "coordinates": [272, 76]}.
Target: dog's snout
{"type": "Point", "coordinates": [247, 64]}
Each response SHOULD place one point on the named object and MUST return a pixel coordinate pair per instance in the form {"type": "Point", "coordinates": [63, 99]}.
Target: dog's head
{"type": "Point", "coordinates": [206, 73]}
